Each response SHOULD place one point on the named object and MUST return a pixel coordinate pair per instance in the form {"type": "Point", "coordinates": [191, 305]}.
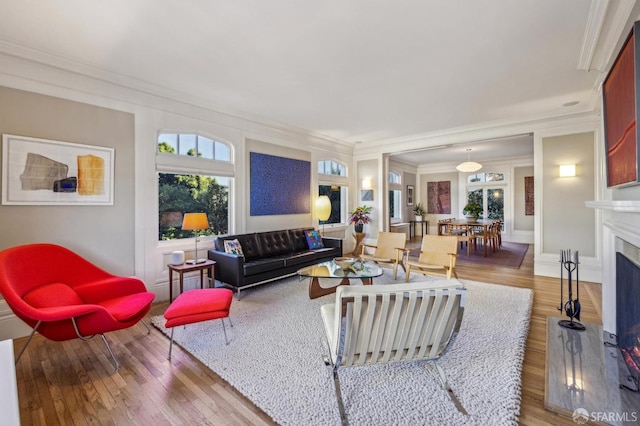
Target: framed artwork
{"type": "Point", "coordinates": [410, 194]}
{"type": "Point", "coordinates": [279, 185]}
{"type": "Point", "coordinates": [43, 172]}
{"type": "Point", "coordinates": [366, 195]}
{"type": "Point", "coordinates": [529, 209]}
{"type": "Point", "coordinates": [621, 95]}
{"type": "Point", "coordinates": [439, 197]}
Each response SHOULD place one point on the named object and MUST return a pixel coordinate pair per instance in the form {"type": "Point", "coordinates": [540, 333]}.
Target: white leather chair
{"type": "Point", "coordinates": [390, 323]}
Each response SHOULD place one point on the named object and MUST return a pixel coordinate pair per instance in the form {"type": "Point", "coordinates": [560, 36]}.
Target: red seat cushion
{"type": "Point", "coordinates": [126, 308]}
{"type": "Point", "coordinates": [199, 305]}
{"type": "Point", "coordinates": [52, 295]}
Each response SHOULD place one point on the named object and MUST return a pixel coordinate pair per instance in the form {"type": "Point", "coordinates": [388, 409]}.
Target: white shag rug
{"type": "Point", "coordinates": [274, 358]}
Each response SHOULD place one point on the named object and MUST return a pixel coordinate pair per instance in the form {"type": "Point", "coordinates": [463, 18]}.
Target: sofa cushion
{"type": "Point", "coordinates": [328, 251]}
{"type": "Point", "coordinates": [259, 266]}
{"type": "Point", "coordinates": [274, 243]}
{"type": "Point", "coordinates": [299, 239]}
{"type": "Point", "coordinates": [314, 240]}
{"type": "Point", "coordinates": [299, 258]}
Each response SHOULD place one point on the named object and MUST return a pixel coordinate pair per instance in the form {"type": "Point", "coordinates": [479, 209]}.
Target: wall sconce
{"type": "Point", "coordinates": [367, 184]}
{"type": "Point", "coordinates": [567, 170]}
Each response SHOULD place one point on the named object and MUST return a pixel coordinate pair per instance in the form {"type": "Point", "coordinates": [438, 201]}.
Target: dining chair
{"type": "Point", "coordinates": [442, 225]}
{"type": "Point", "coordinates": [465, 235]}
{"type": "Point", "coordinates": [437, 256]}
{"type": "Point", "coordinates": [494, 236]}
{"type": "Point", "coordinates": [368, 325]}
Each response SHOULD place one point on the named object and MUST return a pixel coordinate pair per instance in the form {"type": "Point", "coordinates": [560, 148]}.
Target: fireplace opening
{"type": "Point", "coordinates": [628, 314]}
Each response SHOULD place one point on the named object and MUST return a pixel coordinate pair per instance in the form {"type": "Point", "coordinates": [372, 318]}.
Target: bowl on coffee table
{"type": "Point", "coordinates": [345, 262]}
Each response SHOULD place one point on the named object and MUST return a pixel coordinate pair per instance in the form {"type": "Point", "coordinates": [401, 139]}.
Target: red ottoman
{"type": "Point", "coordinates": [199, 305]}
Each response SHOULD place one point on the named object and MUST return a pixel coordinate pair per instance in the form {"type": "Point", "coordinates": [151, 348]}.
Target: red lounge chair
{"type": "Point", "coordinates": [63, 296]}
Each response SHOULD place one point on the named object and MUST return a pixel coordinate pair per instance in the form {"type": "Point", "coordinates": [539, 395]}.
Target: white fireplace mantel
{"type": "Point", "coordinates": [621, 219]}
{"type": "Point", "coordinates": [627, 206]}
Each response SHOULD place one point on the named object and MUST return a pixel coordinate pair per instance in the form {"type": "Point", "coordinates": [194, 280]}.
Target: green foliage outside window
{"type": "Point", "coordinates": [191, 194]}
{"type": "Point", "coordinates": [183, 193]}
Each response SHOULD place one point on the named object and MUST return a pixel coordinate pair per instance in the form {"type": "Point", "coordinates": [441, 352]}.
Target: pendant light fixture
{"type": "Point", "coordinates": [468, 166]}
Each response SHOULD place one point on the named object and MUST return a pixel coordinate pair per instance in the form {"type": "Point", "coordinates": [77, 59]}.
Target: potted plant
{"type": "Point", "coordinates": [473, 209]}
{"type": "Point", "coordinates": [359, 217]}
{"type": "Point", "coordinates": [419, 211]}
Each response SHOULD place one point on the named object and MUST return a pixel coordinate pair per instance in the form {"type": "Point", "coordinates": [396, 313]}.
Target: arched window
{"type": "Point", "coordinates": [195, 173]}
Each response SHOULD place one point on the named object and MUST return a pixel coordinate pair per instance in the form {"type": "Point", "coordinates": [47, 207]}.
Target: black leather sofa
{"type": "Point", "coordinates": [268, 256]}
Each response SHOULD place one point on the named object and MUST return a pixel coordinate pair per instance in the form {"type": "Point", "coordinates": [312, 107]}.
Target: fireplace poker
{"type": "Point", "coordinates": [561, 278]}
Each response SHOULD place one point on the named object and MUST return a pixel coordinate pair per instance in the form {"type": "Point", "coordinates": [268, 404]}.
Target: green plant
{"type": "Point", "coordinates": [360, 215]}
{"type": "Point", "coordinates": [473, 209]}
{"type": "Point", "coordinates": [419, 210]}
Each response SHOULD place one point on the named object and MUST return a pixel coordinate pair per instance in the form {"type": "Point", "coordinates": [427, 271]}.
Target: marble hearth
{"type": "Point", "coordinates": [584, 374]}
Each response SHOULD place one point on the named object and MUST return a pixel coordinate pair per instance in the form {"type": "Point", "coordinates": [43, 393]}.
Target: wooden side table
{"type": "Point", "coordinates": [359, 236]}
{"type": "Point", "coordinates": [187, 267]}
{"type": "Point", "coordinates": [422, 223]}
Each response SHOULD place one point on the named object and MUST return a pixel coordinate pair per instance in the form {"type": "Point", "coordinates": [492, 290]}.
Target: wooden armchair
{"type": "Point", "coordinates": [437, 257]}
{"type": "Point", "coordinates": [388, 251]}
{"type": "Point", "coordinates": [369, 325]}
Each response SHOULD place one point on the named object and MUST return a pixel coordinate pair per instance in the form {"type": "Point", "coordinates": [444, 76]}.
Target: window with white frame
{"type": "Point", "coordinates": [195, 173]}
{"type": "Point", "coordinates": [333, 182]}
{"type": "Point", "coordinates": [395, 196]}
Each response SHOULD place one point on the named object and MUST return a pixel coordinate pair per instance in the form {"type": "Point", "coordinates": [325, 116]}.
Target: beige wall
{"type": "Point", "coordinates": [369, 169]}
{"type": "Point", "coordinates": [102, 234]}
{"type": "Point", "coordinates": [567, 222]}
{"type": "Point", "coordinates": [521, 222]}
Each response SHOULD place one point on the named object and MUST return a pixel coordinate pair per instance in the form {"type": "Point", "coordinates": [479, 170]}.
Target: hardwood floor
{"type": "Point", "coordinates": [73, 382]}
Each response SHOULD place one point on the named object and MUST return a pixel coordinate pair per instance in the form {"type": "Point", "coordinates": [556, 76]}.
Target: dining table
{"type": "Point", "coordinates": [480, 228]}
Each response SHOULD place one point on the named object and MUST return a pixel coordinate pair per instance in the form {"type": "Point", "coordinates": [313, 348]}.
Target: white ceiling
{"type": "Point", "coordinates": [353, 70]}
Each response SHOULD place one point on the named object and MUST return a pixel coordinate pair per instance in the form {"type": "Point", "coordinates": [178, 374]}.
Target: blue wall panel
{"type": "Point", "coordinates": [279, 185]}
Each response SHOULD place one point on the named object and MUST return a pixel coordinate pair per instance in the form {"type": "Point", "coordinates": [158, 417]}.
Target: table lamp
{"type": "Point", "coordinates": [195, 222]}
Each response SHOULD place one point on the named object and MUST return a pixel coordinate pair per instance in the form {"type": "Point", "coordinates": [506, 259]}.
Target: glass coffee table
{"type": "Point", "coordinates": [365, 271]}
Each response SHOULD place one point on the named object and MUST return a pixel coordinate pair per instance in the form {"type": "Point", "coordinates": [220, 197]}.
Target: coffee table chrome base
{"type": "Point", "coordinates": [315, 290]}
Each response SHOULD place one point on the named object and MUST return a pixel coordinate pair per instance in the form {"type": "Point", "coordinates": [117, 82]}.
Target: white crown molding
{"type": "Point", "coordinates": [621, 15]}
{"type": "Point", "coordinates": [472, 133]}
{"type": "Point", "coordinates": [595, 20]}
{"type": "Point", "coordinates": [150, 90]}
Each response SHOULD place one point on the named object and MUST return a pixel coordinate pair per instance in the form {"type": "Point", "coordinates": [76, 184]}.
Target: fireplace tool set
{"type": "Point", "coordinates": [572, 306]}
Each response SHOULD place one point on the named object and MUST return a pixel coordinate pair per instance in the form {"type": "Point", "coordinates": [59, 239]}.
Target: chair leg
{"type": "Point", "coordinates": [452, 396]}
{"type": "Point", "coordinates": [406, 275]}
{"type": "Point", "coordinates": [336, 383]}
{"type": "Point", "coordinates": [115, 362]}
{"type": "Point", "coordinates": [224, 330]}
{"type": "Point", "coordinates": [28, 341]}
{"type": "Point", "coordinates": [170, 344]}
{"type": "Point", "coordinates": [146, 325]}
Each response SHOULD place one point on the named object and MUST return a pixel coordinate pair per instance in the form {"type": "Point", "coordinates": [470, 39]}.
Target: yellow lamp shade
{"type": "Point", "coordinates": [194, 221]}
{"type": "Point", "coordinates": [323, 207]}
